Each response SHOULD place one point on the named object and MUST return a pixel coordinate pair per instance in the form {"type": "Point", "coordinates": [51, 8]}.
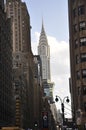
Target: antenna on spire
{"type": "Point", "coordinates": [42, 24]}
{"type": "Point", "coordinates": [42, 21]}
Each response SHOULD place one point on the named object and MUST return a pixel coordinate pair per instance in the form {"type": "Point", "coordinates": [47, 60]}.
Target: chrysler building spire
{"type": "Point", "coordinates": [43, 37]}
{"type": "Point", "coordinates": [44, 52]}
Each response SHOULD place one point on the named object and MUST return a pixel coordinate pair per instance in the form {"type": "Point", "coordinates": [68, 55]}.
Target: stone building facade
{"type": "Point", "coordinates": [77, 37]}
{"type": "Point", "coordinates": [6, 89]}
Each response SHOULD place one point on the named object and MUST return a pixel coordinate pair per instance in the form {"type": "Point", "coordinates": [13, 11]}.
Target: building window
{"type": "Point", "coordinates": [84, 73]}
{"type": "Point", "coordinates": [77, 59]}
{"type": "Point", "coordinates": [74, 13]}
{"type": "Point", "coordinates": [79, 90]}
{"type": "Point", "coordinates": [75, 28]}
{"type": "Point", "coordinates": [73, 1]}
{"type": "Point", "coordinates": [81, 10]}
{"type": "Point", "coordinates": [0, 57]}
{"type": "Point", "coordinates": [85, 106]}
{"type": "Point", "coordinates": [83, 57]}
{"type": "Point", "coordinates": [78, 113]}
{"type": "Point", "coordinates": [78, 74]}
{"type": "Point", "coordinates": [84, 90]}
{"type": "Point", "coordinates": [82, 25]}
{"type": "Point", "coordinates": [83, 41]}
{"type": "Point", "coordinates": [76, 43]}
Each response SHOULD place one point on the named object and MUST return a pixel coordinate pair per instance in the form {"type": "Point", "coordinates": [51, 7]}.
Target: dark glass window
{"type": "Point", "coordinates": [0, 57]}
{"type": "Point", "coordinates": [77, 59]}
{"type": "Point", "coordinates": [75, 28]}
{"type": "Point", "coordinates": [74, 0]}
{"type": "Point", "coordinates": [82, 25]}
{"type": "Point", "coordinates": [84, 90]}
{"type": "Point", "coordinates": [0, 47]}
{"type": "Point", "coordinates": [83, 41]}
{"type": "Point", "coordinates": [76, 43]}
{"type": "Point", "coordinates": [79, 90]}
{"type": "Point", "coordinates": [74, 13]}
{"type": "Point", "coordinates": [78, 113]}
{"type": "Point", "coordinates": [81, 10]}
{"type": "Point", "coordinates": [78, 74]}
{"type": "Point", "coordinates": [84, 73]}
{"type": "Point", "coordinates": [83, 57]}
{"type": "Point", "coordinates": [85, 106]}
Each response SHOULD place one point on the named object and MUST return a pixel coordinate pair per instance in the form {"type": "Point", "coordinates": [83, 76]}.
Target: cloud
{"type": "Point", "coordinates": [59, 62]}
{"type": "Point", "coordinates": [59, 57]}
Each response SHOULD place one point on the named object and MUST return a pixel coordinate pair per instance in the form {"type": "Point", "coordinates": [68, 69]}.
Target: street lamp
{"type": "Point", "coordinates": [62, 104]}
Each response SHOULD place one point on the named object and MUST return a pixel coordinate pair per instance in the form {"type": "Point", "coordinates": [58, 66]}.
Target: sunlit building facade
{"type": "Point", "coordinates": [44, 52]}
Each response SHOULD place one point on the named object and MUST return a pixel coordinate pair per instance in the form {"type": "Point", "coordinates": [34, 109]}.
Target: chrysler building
{"type": "Point", "coordinates": [44, 52]}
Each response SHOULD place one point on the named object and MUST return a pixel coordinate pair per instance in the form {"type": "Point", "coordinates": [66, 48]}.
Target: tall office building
{"type": "Point", "coordinates": [44, 52]}
{"type": "Point", "coordinates": [17, 11]}
{"type": "Point", "coordinates": [21, 39]}
{"type": "Point", "coordinates": [77, 37]}
{"type": "Point", "coordinates": [6, 90]}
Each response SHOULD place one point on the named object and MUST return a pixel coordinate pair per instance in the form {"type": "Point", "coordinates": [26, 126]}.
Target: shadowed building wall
{"type": "Point", "coordinates": [77, 39]}
{"type": "Point", "coordinates": [6, 90]}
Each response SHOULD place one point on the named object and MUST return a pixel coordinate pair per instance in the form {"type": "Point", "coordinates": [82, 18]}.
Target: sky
{"type": "Point", "coordinates": [55, 17]}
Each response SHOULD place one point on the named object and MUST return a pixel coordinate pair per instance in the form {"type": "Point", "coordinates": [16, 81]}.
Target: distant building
{"type": "Point", "coordinates": [37, 103]}
{"type": "Point", "coordinates": [48, 90]}
{"type": "Point", "coordinates": [6, 90]}
{"type": "Point", "coordinates": [77, 37]}
{"type": "Point", "coordinates": [44, 52]}
{"type": "Point", "coordinates": [54, 112]}
{"type": "Point", "coordinates": [48, 106]}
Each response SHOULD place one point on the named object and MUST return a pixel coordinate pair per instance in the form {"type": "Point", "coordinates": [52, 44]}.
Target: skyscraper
{"type": "Point", "coordinates": [17, 11]}
{"type": "Point", "coordinates": [21, 41]}
{"type": "Point", "coordinates": [6, 90]}
{"type": "Point", "coordinates": [77, 37]}
{"type": "Point", "coordinates": [44, 52]}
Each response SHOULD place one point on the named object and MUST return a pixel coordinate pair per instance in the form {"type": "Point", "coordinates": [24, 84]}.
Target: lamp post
{"type": "Point", "coordinates": [62, 104]}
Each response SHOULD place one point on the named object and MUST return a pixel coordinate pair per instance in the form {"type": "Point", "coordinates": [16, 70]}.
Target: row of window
{"type": "Point", "coordinates": [82, 90]}
{"type": "Point", "coordinates": [79, 11]}
{"type": "Point", "coordinates": [79, 112]}
{"type": "Point", "coordinates": [85, 106]}
{"type": "Point", "coordinates": [81, 73]}
{"type": "Point", "coordinates": [82, 42]}
{"type": "Point", "coordinates": [81, 58]}
{"type": "Point", "coordinates": [80, 27]}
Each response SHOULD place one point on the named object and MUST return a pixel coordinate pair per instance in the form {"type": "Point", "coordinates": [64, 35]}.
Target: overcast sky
{"type": "Point", "coordinates": [55, 17]}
